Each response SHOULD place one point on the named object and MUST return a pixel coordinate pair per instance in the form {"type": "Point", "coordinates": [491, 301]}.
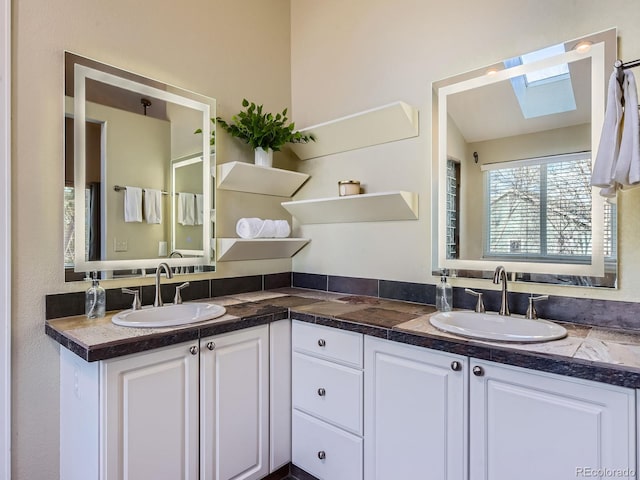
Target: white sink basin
{"type": "Point", "coordinates": [169, 315]}
{"type": "Point", "coordinates": [491, 326]}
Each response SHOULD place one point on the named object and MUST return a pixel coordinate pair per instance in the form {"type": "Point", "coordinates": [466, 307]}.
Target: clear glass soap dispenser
{"type": "Point", "coordinates": [444, 295]}
{"type": "Point", "coordinates": [95, 299]}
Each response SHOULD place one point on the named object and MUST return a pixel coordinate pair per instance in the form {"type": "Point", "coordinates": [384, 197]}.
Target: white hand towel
{"type": "Point", "coordinates": [132, 204]}
{"type": "Point", "coordinates": [628, 165]}
{"type": "Point", "coordinates": [153, 205]}
{"type": "Point", "coordinates": [248, 227]}
{"type": "Point", "coordinates": [199, 208]}
{"type": "Point", "coordinates": [605, 163]}
{"type": "Point", "coordinates": [258, 228]}
{"type": "Point", "coordinates": [186, 208]}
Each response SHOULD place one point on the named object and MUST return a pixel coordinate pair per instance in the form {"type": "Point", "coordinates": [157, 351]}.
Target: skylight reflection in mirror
{"type": "Point", "coordinates": [546, 91]}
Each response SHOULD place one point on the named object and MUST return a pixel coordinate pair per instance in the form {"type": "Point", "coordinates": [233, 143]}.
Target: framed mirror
{"type": "Point", "coordinates": [126, 136]}
{"type": "Point", "coordinates": [515, 142]}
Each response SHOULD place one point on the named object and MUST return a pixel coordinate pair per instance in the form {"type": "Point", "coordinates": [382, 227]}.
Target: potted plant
{"type": "Point", "coordinates": [265, 132]}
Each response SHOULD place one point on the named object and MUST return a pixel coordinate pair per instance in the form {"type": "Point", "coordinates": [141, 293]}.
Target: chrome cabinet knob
{"type": "Point", "coordinates": [478, 371]}
{"type": "Point", "coordinates": [211, 345]}
{"type": "Point", "coordinates": [193, 350]}
{"type": "Point", "coordinates": [322, 343]}
{"type": "Point", "coordinates": [322, 392]}
{"type": "Point", "coordinates": [456, 366]}
{"type": "Point", "coordinates": [322, 455]}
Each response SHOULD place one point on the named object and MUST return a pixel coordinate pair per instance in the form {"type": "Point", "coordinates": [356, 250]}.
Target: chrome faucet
{"type": "Point", "coordinates": [501, 276]}
{"type": "Point", "coordinates": [163, 266]}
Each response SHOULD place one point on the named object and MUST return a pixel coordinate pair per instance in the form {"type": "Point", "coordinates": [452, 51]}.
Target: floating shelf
{"type": "Point", "coordinates": [395, 121]}
{"type": "Point", "coordinates": [368, 207]}
{"type": "Point", "coordinates": [246, 177]}
{"type": "Point", "coordinates": [230, 249]}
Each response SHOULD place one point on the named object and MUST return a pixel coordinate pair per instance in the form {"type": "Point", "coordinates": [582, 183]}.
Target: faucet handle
{"type": "Point", "coordinates": [479, 304]}
{"type": "Point", "coordinates": [532, 314]}
{"type": "Point", "coordinates": [136, 305]}
{"type": "Point", "coordinates": [177, 300]}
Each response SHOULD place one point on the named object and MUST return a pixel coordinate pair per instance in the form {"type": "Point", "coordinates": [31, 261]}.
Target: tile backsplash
{"type": "Point", "coordinates": [605, 313]}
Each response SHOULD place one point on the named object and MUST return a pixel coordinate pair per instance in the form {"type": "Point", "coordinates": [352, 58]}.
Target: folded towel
{"type": "Point", "coordinates": [199, 208]}
{"type": "Point", "coordinates": [605, 162]}
{"type": "Point", "coordinates": [627, 170]}
{"type": "Point", "coordinates": [186, 208]}
{"type": "Point", "coordinates": [152, 205]}
{"type": "Point", "coordinates": [132, 204]}
{"type": "Point", "coordinates": [258, 228]}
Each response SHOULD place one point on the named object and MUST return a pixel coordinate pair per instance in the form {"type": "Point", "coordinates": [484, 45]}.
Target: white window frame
{"type": "Point", "coordinates": [5, 240]}
{"type": "Point", "coordinates": [543, 256]}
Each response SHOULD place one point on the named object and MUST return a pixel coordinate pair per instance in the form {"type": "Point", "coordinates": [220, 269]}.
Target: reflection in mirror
{"type": "Point", "coordinates": [515, 143]}
{"type": "Point", "coordinates": [124, 136]}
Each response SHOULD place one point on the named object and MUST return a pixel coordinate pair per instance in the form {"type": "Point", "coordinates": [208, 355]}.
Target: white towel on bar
{"type": "Point", "coordinates": [605, 163]}
{"type": "Point", "coordinates": [152, 205]}
{"type": "Point", "coordinates": [186, 208]}
{"type": "Point", "coordinates": [132, 204]}
{"type": "Point", "coordinates": [627, 171]}
{"type": "Point", "coordinates": [258, 228]}
{"type": "Point", "coordinates": [199, 208]}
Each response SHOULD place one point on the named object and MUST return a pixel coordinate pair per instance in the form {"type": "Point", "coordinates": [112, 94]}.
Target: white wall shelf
{"type": "Point", "coordinates": [395, 121]}
{"type": "Point", "coordinates": [231, 249]}
{"type": "Point", "coordinates": [246, 177]}
{"type": "Point", "coordinates": [368, 207]}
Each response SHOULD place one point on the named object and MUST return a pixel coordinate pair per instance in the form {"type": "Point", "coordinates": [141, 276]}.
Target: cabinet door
{"type": "Point", "coordinates": [532, 425]}
{"type": "Point", "coordinates": [234, 405]}
{"type": "Point", "coordinates": [279, 393]}
{"type": "Point", "coordinates": [415, 413]}
{"type": "Point", "coordinates": [150, 423]}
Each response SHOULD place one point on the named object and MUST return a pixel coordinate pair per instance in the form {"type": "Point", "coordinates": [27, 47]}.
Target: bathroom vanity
{"type": "Point", "coordinates": [375, 392]}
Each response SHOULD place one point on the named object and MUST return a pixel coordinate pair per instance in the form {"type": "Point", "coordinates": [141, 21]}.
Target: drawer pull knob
{"type": "Point", "coordinates": [322, 343]}
{"type": "Point", "coordinates": [211, 345]}
{"type": "Point", "coordinates": [193, 350]}
{"type": "Point", "coordinates": [478, 371]}
{"type": "Point", "coordinates": [322, 392]}
{"type": "Point", "coordinates": [322, 455]}
{"type": "Point", "coordinates": [456, 366]}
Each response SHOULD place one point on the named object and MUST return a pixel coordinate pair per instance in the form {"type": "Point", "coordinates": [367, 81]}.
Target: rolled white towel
{"type": "Point", "coordinates": [248, 227]}
{"type": "Point", "coordinates": [258, 228]}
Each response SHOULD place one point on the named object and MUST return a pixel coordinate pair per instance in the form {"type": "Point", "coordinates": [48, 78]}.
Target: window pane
{"type": "Point", "coordinates": [514, 210]}
{"type": "Point", "coordinates": [69, 206]}
{"type": "Point", "coordinates": [569, 208]}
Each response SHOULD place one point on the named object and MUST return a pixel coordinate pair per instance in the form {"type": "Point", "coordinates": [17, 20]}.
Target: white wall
{"type": "Point", "coordinates": [226, 49]}
{"type": "Point", "coordinates": [352, 56]}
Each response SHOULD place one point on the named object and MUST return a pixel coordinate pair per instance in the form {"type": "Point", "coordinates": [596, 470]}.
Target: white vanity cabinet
{"type": "Point", "coordinates": [327, 399]}
{"type": "Point", "coordinates": [195, 410]}
{"type": "Point", "coordinates": [530, 425]}
{"type": "Point", "coordinates": [234, 405]}
{"type": "Point", "coordinates": [415, 412]}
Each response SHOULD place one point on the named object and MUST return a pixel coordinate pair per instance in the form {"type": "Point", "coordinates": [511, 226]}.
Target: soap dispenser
{"type": "Point", "coordinates": [95, 299]}
{"type": "Point", "coordinates": [444, 295]}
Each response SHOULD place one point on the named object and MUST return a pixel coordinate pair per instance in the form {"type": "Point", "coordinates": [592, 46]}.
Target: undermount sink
{"type": "Point", "coordinates": [491, 326]}
{"type": "Point", "coordinates": [169, 315]}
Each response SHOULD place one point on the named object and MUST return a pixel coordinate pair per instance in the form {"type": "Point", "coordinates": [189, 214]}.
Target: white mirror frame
{"type": "Point", "coordinates": [81, 73]}
{"type": "Point", "coordinates": [596, 267]}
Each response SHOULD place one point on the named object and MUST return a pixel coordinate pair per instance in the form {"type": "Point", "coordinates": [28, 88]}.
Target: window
{"type": "Point", "coordinates": [541, 209]}
{"type": "Point", "coordinates": [453, 208]}
{"type": "Point", "coordinates": [69, 226]}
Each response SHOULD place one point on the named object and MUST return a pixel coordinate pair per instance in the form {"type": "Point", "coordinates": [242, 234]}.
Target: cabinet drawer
{"type": "Point", "coordinates": [328, 343]}
{"type": "Point", "coordinates": [328, 391]}
{"type": "Point", "coordinates": [325, 451]}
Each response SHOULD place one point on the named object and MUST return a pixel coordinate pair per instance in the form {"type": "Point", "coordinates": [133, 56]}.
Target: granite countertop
{"type": "Point", "coordinates": [604, 355]}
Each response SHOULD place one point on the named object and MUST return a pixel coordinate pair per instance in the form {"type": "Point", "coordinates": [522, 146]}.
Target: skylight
{"type": "Point", "coordinates": [546, 91]}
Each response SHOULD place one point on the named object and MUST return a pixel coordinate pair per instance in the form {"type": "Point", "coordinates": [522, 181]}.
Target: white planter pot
{"type": "Point", "coordinates": [264, 158]}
